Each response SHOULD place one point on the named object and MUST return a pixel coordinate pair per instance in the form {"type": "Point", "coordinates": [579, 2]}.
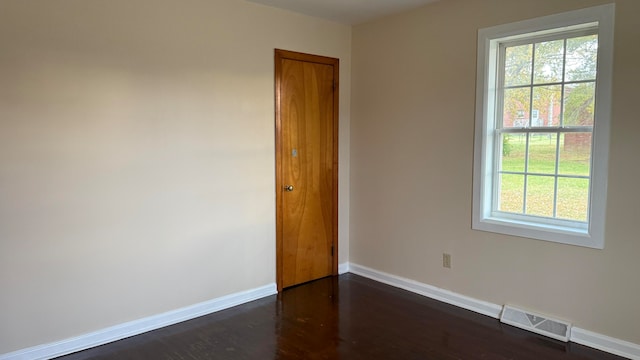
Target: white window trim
{"type": "Point", "coordinates": [593, 235]}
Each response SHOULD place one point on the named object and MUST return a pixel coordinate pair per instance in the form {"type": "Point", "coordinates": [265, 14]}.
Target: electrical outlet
{"type": "Point", "coordinates": [446, 260]}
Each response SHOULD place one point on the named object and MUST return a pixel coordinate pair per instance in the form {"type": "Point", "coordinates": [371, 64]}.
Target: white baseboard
{"type": "Point", "coordinates": [343, 268]}
{"type": "Point", "coordinates": [118, 332]}
{"type": "Point", "coordinates": [605, 343]}
{"type": "Point", "coordinates": [136, 327]}
{"type": "Point", "coordinates": [579, 336]}
{"type": "Point", "coordinates": [449, 297]}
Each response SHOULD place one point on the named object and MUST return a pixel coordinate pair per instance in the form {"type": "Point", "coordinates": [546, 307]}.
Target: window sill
{"type": "Point", "coordinates": [557, 234]}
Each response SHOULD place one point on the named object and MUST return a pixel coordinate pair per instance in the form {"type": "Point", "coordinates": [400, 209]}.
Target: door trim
{"type": "Point", "coordinates": [279, 56]}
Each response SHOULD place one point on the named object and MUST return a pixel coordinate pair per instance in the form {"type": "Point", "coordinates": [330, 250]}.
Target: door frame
{"type": "Point", "coordinates": [292, 55]}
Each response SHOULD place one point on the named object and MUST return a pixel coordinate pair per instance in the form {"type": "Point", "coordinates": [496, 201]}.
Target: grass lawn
{"type": "Point", "coordinates": [573, 193]}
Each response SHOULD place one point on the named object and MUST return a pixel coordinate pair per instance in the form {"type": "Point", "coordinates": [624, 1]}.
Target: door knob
{"type": "Point", "coordinates": [288, 188]}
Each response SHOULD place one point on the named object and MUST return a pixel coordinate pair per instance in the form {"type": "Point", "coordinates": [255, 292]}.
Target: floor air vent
{"type": "Point", "coordinates": [536, 323]}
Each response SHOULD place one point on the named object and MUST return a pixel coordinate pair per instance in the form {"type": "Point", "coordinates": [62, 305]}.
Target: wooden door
{"type": "Point", "coordinates": [306, 167]}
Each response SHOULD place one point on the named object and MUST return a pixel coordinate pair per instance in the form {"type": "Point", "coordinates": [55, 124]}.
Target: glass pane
{"type": "Point", "coordinates": [546, 105]}
{"type": "Point", "coordinates": [582, 58]}
{"type": "Point", "coordinates": [513, 146]}
{"type": "Point", "coordinates": [516, 107]}
{"type": "Point", "coordinates": [517, 67]}
{"type": "Point", "coordinates": [575, 154]}
{"type": "Point", "coordinates": [542, 153]}
{"type": "Point", "coordinates": [579, 101]}
{"type": "Point", "coordinates": [573, 199]}
{"type": "Point", "coordinates": [548, 62]}
{"type": "Point", "coordinates": [511, 193]}
{"type": "Point", "coordinates": [540, 190]}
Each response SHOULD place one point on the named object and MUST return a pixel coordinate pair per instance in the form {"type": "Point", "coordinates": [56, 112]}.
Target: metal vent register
{"type": "Point", "coordinates": [536, 323]}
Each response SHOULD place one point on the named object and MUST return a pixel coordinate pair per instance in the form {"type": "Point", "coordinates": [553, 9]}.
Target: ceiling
{"type": "Point", "coordinates": [346, 11]}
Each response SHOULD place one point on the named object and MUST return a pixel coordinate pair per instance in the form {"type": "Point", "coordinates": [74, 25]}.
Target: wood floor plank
{"type": "Point", "coordinates": [346, 317]}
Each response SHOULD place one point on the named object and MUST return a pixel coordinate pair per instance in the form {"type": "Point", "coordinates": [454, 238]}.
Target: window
{"type": "Point", "coordinates": [542, 127]}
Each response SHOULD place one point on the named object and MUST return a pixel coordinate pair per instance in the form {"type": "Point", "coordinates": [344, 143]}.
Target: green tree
{"type": "Point", "coordinates": [537, 69]}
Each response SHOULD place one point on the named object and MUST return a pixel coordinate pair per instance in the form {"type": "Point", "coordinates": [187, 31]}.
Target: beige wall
{"type": "Point", "coordinates": [137, 156]}
{"type": "Point", "coordinates": [411, 169]}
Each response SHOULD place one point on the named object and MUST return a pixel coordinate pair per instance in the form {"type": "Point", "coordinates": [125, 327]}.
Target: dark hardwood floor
{"type": "Point", "coordinates": [346, 317]}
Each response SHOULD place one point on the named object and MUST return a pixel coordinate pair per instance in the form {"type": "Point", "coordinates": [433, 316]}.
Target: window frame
{"type": "Point", "coordinates": [489, 40]}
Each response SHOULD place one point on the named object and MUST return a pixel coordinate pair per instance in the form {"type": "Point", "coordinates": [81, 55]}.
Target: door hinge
{"type": "Point", "coordinates": [331, 250]}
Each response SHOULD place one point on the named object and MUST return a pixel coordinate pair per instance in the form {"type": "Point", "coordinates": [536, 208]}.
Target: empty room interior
{"type": "Point", "coordinates": [138, 183]}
